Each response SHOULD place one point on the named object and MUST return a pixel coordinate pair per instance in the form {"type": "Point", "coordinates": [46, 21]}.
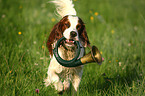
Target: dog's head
{"type": "Point", "coordinates": [72, 28]}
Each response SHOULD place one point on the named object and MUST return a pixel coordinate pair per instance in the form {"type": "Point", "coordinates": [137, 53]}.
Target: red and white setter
{"type": "Point", "coordinates": [73, 29]}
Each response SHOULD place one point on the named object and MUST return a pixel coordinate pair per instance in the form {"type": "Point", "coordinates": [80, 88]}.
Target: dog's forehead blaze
{"type": "Point", "coordinates": [73, 21]}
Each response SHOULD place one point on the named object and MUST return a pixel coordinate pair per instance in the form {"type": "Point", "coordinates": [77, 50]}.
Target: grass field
{"type": "Point", "coordinates": [116, 27]}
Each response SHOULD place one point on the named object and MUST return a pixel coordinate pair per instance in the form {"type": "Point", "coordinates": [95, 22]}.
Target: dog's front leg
{"type": "Point", "coordinates": [54, 79]}
{"type": "Point", "coordinates": [53, 76]}
{"type": "Point", "coordinates": [77, 78]}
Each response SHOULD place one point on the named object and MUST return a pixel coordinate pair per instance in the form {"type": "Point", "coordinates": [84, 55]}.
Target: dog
{"type": "Point", "coordinates": [73, 29]}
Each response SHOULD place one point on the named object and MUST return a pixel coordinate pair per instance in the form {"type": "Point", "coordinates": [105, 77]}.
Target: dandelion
{"type": "Point", "coordinates": [109, 61]}
{"type": "Point", "coordinates": [96, 13]}
{"type": "Point", "coordinates": [53, 20]}
{"type": "Point", "coordinates": [42, 46]}
{"type": "Point", "coordinates": [10, 72]}
{"type": "Point", "coordinates": [112, 31]}
{"type": "Point", "coordinates": [19, 33]}
{"type": "Point", "coordinates": [101, 52]}
{"type": "Point", "coordinates": [20, 7]}
{"type": "Point", "coordinates": [92, 18]}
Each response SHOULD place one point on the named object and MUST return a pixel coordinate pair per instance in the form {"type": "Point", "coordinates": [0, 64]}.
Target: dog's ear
{"type": "Point", "coordinates": [56, 33]}
{"type": "Point", "coordinates": [84, 37]}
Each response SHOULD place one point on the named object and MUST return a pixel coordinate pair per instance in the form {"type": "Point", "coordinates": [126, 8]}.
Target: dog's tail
{"type": "Point", "coordinates": [64, 7]}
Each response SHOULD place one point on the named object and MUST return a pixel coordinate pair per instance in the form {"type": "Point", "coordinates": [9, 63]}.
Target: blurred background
{"type": "Point", "coordinates": [116, 27]}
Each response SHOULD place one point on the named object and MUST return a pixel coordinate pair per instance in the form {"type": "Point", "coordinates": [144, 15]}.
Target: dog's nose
{"type": "Point", "coordinates": [73, 34]}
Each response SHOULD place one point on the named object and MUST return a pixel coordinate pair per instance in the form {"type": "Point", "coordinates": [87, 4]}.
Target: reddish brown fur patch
{"type": "Point", "coordinates": [82, 33]}
{"type": "Point", "coordinates": [57, 33]}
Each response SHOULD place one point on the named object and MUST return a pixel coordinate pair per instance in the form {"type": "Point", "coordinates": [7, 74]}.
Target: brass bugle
{"type": "Point", "coordinates": [93, 56]}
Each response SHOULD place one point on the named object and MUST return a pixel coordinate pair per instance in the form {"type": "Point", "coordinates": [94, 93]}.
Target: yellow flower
{"type": "Point", "coordinates": [20, 7]}
{"type": "Point", "coordinates": [19, 33]}
{"type": "Point", "coordinates": [42, 46]}
{"type": "Point", "coordinates": [109, 61]}
{"type": "Point", "coordinates": [10, 71]}
{"type": "Point", "coordinates": [96, 13]}
{"type": "Point", "coordinates": [116, 60]}
{"type": "Point", "coordinates": [75, 0]}
{"type": "Point", "coordinates": [101, 52]}
{"type": "Point", "coordinates": [92, 18]}
{"type": "Point", "coordinates": [112, 31]}
{"type": "Point", "coordinates": [53, 19]}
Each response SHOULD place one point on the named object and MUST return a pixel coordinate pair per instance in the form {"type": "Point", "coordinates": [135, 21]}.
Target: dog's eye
{"type": "Point", "coordinates": [78, 26]}
{"type": "Point", "coordinates": [67, 25]}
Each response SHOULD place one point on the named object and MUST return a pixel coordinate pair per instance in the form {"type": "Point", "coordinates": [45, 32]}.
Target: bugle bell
{"type": "Point", "coordinates": [93, 56]}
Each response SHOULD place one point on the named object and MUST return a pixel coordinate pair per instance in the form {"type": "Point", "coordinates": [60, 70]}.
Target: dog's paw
{"type": "Point", "coordinates": [46, 82]}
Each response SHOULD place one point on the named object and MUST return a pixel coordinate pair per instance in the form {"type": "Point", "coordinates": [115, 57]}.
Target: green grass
{"type": "Point", "coordinates": [118, 31]}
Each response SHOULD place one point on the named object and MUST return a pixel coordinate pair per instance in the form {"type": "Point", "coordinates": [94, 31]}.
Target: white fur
{"type": "Point", "coordinates": [64, 7]}
{"type": "Point", "coordinates": [57, 72]}
{"type": "Point", "coordinates": [73, 23]}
